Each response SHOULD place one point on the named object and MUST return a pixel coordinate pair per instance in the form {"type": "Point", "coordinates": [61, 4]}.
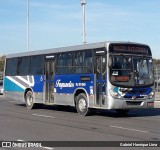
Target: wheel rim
{"type": "Point", "coordinates": [82, 105]}
{"type": "Point", "coordinates": [29, 100]}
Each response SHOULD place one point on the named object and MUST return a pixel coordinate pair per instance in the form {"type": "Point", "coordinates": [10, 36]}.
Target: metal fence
{"type": "Point", "coordinates": [157, 77]}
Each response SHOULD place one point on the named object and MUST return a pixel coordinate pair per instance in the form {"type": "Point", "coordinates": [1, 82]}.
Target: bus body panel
{"type": "Point", "coordinates": [65, 87]}
{"type": "Point", "coordinates": [15, 87]}
{"type": "Point", "coordinates": [131, 98]}
{"type": "Point", "coordinates": [64, 99]}
{"type": "Point", "coordinates": [129, 104]}
{"type": "Point", "coordinates": [69, 83]}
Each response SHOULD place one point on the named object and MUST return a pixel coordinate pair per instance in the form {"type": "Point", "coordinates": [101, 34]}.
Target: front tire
{"type": "Point", "coordinates": [82, 105]}
{"type": "Point", "coordinates": [29, 100]}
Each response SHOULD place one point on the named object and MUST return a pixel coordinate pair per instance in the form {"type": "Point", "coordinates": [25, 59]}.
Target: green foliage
{"type": "Point", "coordinates": [2, 62]}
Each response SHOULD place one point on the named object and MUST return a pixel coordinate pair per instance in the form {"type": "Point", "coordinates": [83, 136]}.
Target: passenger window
{"type": "Point", "coordinates": [11, 67]}
{"type": "Point", "coordinates": [65, 63]}
{"type": "Point", "coordinates": [83, 62]}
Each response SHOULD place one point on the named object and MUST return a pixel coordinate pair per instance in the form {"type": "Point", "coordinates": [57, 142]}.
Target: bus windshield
{"type": "Point", "coordinates": [131, 70]}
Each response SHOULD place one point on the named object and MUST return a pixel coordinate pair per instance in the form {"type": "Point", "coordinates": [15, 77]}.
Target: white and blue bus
{"type": "Point", "coordinates": [105, 75]}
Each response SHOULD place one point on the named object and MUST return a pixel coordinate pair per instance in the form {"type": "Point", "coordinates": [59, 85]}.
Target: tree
{"type": "Point", "coordinates": [2, 61]}
{"type": "Point", "coordinates": [156, 61]}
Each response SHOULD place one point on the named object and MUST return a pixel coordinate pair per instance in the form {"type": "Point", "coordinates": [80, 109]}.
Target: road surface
{"type": "Point", "coordinates": [51, 123]}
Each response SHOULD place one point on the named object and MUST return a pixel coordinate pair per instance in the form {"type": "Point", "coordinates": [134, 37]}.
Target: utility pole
{"type": "Point", "coordinates": [83, 3]}
{"type": "Point", "coordinates": [28, 25]}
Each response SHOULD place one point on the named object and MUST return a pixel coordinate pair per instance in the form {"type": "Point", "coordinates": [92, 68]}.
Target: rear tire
{"type": "Point", "coordinates": [29, 100]}
{"type": "Point", "coordinates": [82, 105]}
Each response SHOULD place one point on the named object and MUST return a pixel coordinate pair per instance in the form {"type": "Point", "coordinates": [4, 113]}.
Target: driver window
{"type": "Point", "coordinates": [143, 68]}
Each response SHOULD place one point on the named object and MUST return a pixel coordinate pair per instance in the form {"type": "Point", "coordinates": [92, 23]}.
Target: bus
{"type": "Point", "coordinates": [103, 75]}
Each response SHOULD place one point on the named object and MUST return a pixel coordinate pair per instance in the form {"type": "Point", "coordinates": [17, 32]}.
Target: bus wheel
{"type": "Point", "coordinates": [29, 100]}
{"type": "Point", "coordinates": [122, 111]}
{"type": "Point", "coordinates": [82, 104]}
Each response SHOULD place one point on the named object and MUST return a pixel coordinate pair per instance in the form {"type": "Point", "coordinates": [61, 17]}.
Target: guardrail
{"type": "Point", "coordinates": [157, 96]}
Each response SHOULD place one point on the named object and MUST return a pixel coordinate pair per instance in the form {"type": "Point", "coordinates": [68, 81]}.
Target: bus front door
{"type": "Point", "coordinates": [49, 81]}
{"type": "Point", "coordinates": [100, 80]}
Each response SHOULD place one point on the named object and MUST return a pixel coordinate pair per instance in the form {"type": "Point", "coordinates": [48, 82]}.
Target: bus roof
{"type": "Point", "coordinates": [68, 48]}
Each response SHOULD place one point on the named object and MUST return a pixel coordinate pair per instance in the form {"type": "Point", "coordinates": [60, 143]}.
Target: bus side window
{"type": "Point", "coordinates": [11, 67]}
{"type": "Point", "coordinates": [83, 62]}
{"type": "Point", "coordinates": [36, 65]}
{"type": "Point", "coordinates": [79, 62]}
{"type": "Point", "coordinates": [88, 62]}
{"type": "Point", "coordinates": [23, 66]}
{"type": "Point", "coordinates": [65, 63]}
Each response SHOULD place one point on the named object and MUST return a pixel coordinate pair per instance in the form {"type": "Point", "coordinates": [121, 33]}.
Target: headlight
{"type": "Point", "coordinates": [115, 94]}
{"type": "Point", "coordinates": [151, 95]}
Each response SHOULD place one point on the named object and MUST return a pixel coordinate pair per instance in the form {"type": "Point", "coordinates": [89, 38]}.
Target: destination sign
{"type": "Point", "coordinates": [120, 78]}
{"type": "Point", "coordinates": [129, 48]}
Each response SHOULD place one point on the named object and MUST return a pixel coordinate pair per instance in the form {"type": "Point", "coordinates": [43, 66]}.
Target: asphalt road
{"type": "Point", "coordinates": [50, 123]}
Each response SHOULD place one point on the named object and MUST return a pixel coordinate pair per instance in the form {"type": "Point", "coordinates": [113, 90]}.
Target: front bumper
{"type": "Point", "coordinates": [130, 104]}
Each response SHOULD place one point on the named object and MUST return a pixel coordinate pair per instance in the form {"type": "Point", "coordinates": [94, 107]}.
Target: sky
{"type": "Point", "coordinates": [58, 23]}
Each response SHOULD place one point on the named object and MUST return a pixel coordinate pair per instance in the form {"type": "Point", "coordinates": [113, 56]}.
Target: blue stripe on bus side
{"type": "Point", "coordinates": [69, 83]}
{"type": "Point", "coordinates": [39, 83]}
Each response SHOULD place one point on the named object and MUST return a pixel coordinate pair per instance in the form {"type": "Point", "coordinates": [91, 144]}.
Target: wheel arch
{"type": "Point", "coordinates": [77, 92]}
{"type": "Point", "coordinates": [25, 92]}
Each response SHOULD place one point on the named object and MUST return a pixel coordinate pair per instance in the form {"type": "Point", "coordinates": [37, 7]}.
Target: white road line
{"type": "Point", "coordinates": [129, 129]}
{"type": "Point", "coordinates": [19, 140]}
{"type": "Point", "coordinates": [39, 115]}
{"type": "Point", "coordinates": [50, 148]}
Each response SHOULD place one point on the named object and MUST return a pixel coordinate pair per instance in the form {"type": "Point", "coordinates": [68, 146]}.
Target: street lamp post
{"type": "Point", "coordinates": [83, 3]}
{"type": "Point", "coordinates": [28, 25]}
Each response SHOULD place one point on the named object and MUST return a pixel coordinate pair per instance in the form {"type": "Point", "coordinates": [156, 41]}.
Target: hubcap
{"type": "Point", "coordinates": [82, 105]}
{"type": "Point", "coordinates": [29, 100]}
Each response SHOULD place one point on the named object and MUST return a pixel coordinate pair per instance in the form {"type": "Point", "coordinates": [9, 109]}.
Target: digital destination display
{"type": "Point", "coordinates": [120, 78]}
{"type": "Point", "coordinates": [129, 48]}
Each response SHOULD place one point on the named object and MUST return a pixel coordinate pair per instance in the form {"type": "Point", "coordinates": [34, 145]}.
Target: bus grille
{"type": "Point", "coordinates": [134, 103]}
{"type": "Point", "coordinates": [141, 94]}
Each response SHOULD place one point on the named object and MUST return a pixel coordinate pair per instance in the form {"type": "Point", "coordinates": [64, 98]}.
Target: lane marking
{"type": "Point", "coordinates": [50, 148]}
{"type": "Point", "coordinates": [39, 115]}
{"type": "Point", "coordinates": [129, 129]}
{"type": "Point", "coordinates": [19, 140]}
